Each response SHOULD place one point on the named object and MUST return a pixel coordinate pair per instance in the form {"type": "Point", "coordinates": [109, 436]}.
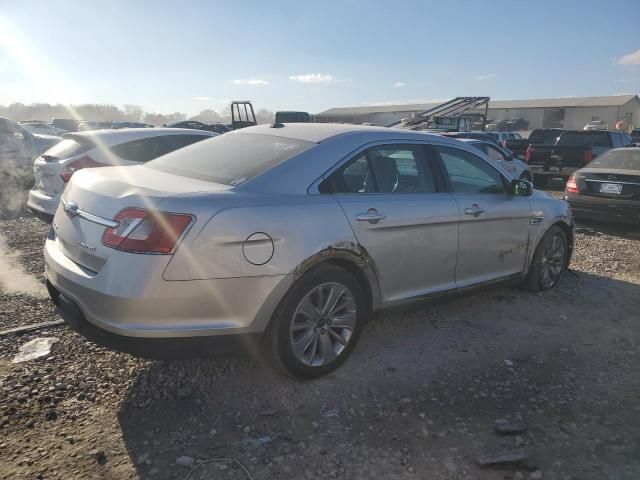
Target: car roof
{"type": "Point", "coordinates": [472, 140]}
{"type": "Point", "coordinates": [178, 122]}
{"type": "Point", "coordinates": [319, 132]}
{"type": "Point", "coordinates": [115, 136]}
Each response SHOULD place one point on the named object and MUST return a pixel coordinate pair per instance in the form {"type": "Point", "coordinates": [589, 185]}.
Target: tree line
{"type": "Point", "coordinates": [129, 113]}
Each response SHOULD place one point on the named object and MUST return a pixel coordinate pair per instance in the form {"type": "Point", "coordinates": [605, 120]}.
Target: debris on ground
{"type": "Point", "coordinates": [510, 457]}
{"type": "Point", "coordinates": [506, 427]}
{"type": "Point", "coordinates": [185, 461]}
{"type": "Point", "coordinates": [36, 348]}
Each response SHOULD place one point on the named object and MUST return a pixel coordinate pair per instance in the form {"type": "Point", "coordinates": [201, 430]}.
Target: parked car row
{"type": "Point", "coordinates": [571, 151]}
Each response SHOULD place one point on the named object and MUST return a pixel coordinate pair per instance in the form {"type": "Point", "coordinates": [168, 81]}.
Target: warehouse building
{"type": "Point", "coordinates": [570, 113]}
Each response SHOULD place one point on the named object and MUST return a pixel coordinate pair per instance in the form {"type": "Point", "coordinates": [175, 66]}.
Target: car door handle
{"type": "Point", "coordinates": [370, 216]}
{"type": "Point", "coordinates": [475, 210]}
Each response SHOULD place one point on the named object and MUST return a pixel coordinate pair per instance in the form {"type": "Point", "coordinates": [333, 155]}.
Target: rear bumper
{"type": "Point", "coordinates": [41, 205]}
{"type": "Point", "coordinates": [604, 209]}
{"type": "Point", "coordinates": [564, 172]}
{"type": "Point", "coordinates": [129, 298]}
{"type": "Point", "coordinates": [156, 348]}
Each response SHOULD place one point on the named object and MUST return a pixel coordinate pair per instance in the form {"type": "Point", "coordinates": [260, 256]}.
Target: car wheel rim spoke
{"type": "Point", "coordinates": [327, 349]}
{"type": "Point", "coordinates": [552, 261]}
{"type": "Point", "coordinates": [322, 324]}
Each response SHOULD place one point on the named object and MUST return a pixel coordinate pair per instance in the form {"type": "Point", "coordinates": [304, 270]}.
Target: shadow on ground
{"type": "Point", "coordinates": [419, 397]}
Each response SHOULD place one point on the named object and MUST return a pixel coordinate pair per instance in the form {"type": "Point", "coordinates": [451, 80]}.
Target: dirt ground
{"type": "Point", "coordinates": [417, 400]}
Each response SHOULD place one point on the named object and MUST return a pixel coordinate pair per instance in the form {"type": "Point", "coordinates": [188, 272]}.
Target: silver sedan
{"type": "Point", "coordinates": [293, 234]}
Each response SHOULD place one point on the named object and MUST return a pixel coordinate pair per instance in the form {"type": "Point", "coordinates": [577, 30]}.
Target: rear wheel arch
{"type": "Point", "coordinates": [357, 263]}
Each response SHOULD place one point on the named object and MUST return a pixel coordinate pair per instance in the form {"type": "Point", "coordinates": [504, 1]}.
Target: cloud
{"type": "Point", "coordinates": [486, 76]}
{"type": "Point", "coordinates": [399, 84]}
{"type": "Point", "coordinates": [313, 78]}
{"type": "Point", "coordinates": [251, 81]}
{"type": "Point", "coordinates": [631, 58]}
{"type": "Point", "coordinates": [202, 99]}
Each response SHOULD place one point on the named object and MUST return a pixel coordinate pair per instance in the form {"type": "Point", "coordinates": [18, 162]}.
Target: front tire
{"type": "Point", "coordinates": [549, 261]}
{"type": "Point", "coordinates": [317, 324]}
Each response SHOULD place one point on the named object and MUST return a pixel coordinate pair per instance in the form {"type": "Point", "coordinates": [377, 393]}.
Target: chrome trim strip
{"type": "Point", "coordinates": [611, 181]}
{"type": "Point", "coordinates": [90, 217]}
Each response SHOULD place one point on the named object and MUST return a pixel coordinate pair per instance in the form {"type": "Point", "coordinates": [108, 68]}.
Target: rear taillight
{"type": "Point", "coordinates": [146, 231]}
{"type": "Point", "coordinates": [84, 162]}
{"type": "Point", "coordinates": [587, 156]}
{"type": "Point", "coordinates": [527, 154]}
{"type": "Point", "coordinates": [572, 185]}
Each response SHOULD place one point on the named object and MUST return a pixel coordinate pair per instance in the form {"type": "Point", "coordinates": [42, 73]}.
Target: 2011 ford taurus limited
{"type": "Point", "coordinates": [295, 233]}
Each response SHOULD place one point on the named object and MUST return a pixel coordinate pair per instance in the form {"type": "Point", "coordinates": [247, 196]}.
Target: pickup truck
{"type": "Point", "coordinates": [572, 151]}
{"type": "Point", "coordinates": [539, 136]}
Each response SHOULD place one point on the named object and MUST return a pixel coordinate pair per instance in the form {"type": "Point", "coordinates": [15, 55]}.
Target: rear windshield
{"type": "Point", "coordinates": [544, 137]}
{"type": "Point", "coordinates": [145, 149]}
{"type": "Point", "coordinates": [584, 139]}
{"type": "Point", "coordinates": [617, 160]}
{"type": "Point", "coordinates": [230, 159]}
{"type": "Point", "coordinates": [68, 148]}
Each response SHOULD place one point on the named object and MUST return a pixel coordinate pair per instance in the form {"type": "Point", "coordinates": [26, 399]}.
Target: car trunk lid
{"type": "Point", "coordinates": [48, 166]}
{"type": "Point", "coordinates": [595, 179]}
{"type": "Point", "coordinates": [94, 197]}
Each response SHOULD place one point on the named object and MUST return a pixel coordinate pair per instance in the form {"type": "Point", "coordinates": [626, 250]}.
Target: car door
{"type": "Point", "coordinates": [494, 225]}
{"type": "Point", "coordinates": [394, 198]}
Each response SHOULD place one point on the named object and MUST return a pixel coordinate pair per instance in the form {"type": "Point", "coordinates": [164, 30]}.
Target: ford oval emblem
{"type": "Point", "coordinates": [71, 208]}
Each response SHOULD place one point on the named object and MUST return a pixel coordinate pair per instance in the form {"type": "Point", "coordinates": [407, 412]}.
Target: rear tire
{"type": "Point", "coordinates": [549, 261]}
{"type": "Point", "coordinates": [317, 324]}
{"type": "Point", "coordinates": [540, 180]}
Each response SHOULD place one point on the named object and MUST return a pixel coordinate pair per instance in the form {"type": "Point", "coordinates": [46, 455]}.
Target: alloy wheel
{"type": "Point", "coordinates": [553, 258]}
{"type": "Point", "coordinates": [323, 324]}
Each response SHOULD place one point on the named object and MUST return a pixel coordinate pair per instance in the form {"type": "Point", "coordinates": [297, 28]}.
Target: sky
{"type": "Point", "coordinates": [188, 56]}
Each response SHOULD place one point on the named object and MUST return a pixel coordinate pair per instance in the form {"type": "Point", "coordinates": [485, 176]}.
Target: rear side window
{"type": "Point", "coordinates": [585, 139]}
{"type": "Point", "coordinates": [469, 173]}
{"type": "Point", "coordinates": [232, 158]}
{"type": "Point", "coordinates": [146, 149]}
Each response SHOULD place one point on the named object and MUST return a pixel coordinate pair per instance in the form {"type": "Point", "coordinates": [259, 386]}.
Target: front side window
{"type": "Point", "coordinates": [469, 173]}
{"type": "Point", "coordinates": [384, 169]}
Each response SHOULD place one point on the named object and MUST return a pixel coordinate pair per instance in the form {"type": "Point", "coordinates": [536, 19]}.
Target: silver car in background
{"type": "Point", "coordinates": [293, 234]}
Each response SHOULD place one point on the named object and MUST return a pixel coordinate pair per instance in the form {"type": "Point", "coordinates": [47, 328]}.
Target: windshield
{"type": "Point", "coordinates": [618, 160]}
{"type": "Point", "coordinates": [584, 139]}
{"type": "Point", "coordinates": [230, 159]}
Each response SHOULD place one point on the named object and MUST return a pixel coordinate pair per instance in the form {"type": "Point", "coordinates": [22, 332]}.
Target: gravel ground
{"type": "Point", "coordinates": [417, 400]}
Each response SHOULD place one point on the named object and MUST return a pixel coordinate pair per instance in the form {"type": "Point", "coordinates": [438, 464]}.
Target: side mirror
{"type": "Point", "coordinates": [521, 188]}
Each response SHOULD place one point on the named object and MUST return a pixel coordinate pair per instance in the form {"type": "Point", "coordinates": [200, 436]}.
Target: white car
{"type": "Point", "coordinates": [596, 125]}
{"type": "Point", "coordinates": [503, 157]}
{"type": "Point", "coordinates": [99, 148]}
{"type": "Point", "coordinates": [502, 136]}
{"type": "Point", "coordinates": [42, 128]}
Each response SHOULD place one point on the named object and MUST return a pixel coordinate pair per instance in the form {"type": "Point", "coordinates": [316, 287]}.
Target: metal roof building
{"type": "Point", "coordinates": [567, 112]}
